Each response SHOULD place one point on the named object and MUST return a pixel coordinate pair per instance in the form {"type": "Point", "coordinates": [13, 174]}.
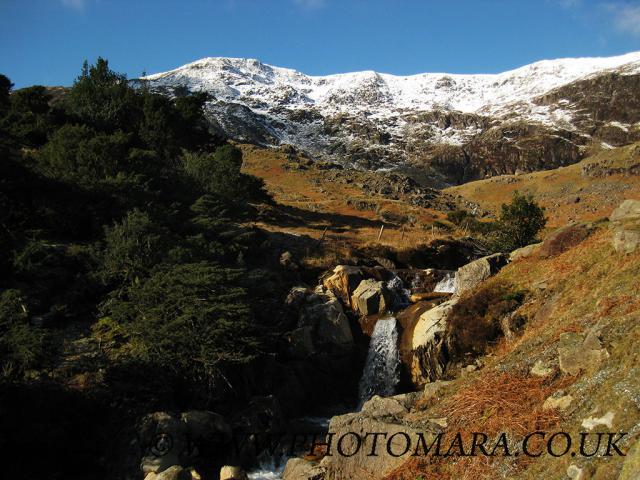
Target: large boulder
{"type": "Point", "coordinates": [562, 239]}
{"type": "Point", "coordinates": [301, 469]}
{"type": "Point", "coordinates": [479, 270]}
{"type": "Point", "coordinates": [175, 439]}
{"type": "Point", "coordinates": [352, 440]}
{"type": "Point", "coordinates": [625, 222]}
{"type": "Point", "coordinates": [524, 252]}
{"type": "Point", "coordinates": [229, 472]}
{"type": "Point", "coordinates": [430, 357]}
{"type": "Point", "coordinates": [343, 281]}
{"type": "Point", "coordinates": [322, 324]}
{"type": "Point", "coordinates": [371, 297]}
{"type": "Point", "coordinates": [580, 353]}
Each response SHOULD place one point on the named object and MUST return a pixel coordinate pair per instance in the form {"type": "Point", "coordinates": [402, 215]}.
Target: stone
{"type": "Point", "coordinates": [577, 354]}
{"type": "Point", "coordinates": [524, 252]}
{"type": "Point", "coordinates": [559, 403]}
{"type": "Point", "coordinates": [576, 473]}
{"type": "Point", "coordinates": [432, 390]}
{"type": "Point", "coordinates": [627, 211]}
{"type": "Point", "coordinates": [287, 261]}
{"type": "Point", "coordinates": [540, 369]}
{"type": "Point", "coordinates": [475, 272]}
{"type": "Point", "coordinates": [330, 326]}
{"type": "Point", "coordinates": [385, 262]}
{"type": "Point", "coordinates": [429, 356]}
{"type": "Point", "coordinates": [631, 465]}
{"type": "Point", "coordinates": [302, 469]}
{"type": "Point", "coordinates": [166, 438]}
{"type": "Point", "coordinates": [301, 342]}
{"type": "Point", "coordinates": [564, 238]}
{"type": "Point", "coordinates": [361, 465]}
{"type": "Point", "coordinates": [592, 422]}
{"type": "Point", "coordinates": [232, 473]}
{"type": "Point", "coordinates": [625, 241]}
{"type": "Point", "coordinates": [371, 297]}
{"type": "Point", "coordinates": [511, 325]}
{"type": "Point", "coordinates": [176, 472]}
{"type": "Point", "coordinates": [377, 406]}
{"type": "Point", "coordinates": [343, 281]}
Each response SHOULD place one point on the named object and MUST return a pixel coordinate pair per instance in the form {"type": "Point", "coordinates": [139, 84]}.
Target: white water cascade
{"type": "Point", "coordinates": [382, 369]}
{"type": "Point", "coordinates": [447, 284]}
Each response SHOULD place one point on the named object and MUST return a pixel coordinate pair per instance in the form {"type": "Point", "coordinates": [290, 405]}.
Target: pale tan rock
{"type": "Point", "coordinates": [592, 422]}
{"type": "Point", "coordinates": [540, 369]}
{"type": "Point", "coordinates": [560, 403]}
{"type": "Point", "coordinates": [229, 472]}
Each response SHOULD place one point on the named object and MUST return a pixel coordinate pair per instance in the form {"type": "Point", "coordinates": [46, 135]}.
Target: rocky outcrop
{"type": "Point", "coordinates": [430, 353]}
{"type": "Point", "coordinates": [625, 223]}
{"type": "Point", "coordinates": [353, 435]}
{"type": "Point", "coordinates": [564, 238]}
{"type": "Point", "coordinates": [322, 324]}
{"type": "Point", "coordinates": [479, 270]}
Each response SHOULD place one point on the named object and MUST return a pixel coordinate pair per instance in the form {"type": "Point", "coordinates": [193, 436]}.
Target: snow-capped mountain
{"type": "Point", "coordinates": [442, 127]}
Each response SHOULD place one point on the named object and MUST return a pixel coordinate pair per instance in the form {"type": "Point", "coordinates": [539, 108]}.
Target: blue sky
{"type": "Point", "coordinates": [45, 41]}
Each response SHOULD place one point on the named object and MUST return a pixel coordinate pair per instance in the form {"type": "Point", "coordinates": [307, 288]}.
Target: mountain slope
{"type": "Point", "coordinates": [443, 129]}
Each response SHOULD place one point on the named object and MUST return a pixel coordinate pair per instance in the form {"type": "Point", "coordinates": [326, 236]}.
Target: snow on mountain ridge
{"type": "Point", "coordinates": [232, 79]}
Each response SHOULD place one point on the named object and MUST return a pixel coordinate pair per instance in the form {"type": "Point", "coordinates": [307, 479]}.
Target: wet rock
{"type": "Point", "coordinates": [232, 473]}
{"type": "Point", "coordinates": [564, 238]}
{"type": "Point", "coordinates": [475, 272]}
{"type": "Point", "coordinates": [301, 342]}
{"type": "Point", "coordinates": [578, 354]}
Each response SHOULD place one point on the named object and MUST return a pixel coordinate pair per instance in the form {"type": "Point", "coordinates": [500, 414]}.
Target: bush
{"type": "Point", "coordinates": [474, 322]}
{"type": "Point", "coordinates": [189, 318]}
{"type": "Point", "coordinates": [519, 223]}
{"type": "Point", "coordinates": [21, 346]}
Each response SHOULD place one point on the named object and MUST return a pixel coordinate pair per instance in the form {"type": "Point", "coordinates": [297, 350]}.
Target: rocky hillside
{"type": "Point", "coordinates": [442, 129]}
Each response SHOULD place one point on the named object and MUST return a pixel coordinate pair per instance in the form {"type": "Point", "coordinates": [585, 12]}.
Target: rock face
{"type": "Point", "coordinates": [322, 324]}
{"type": "Point", "coordinates": [564, 238]}
{"type": "Point", "coordinates": [625, 222]}
{"type": "Point", "coordinates": [442, 129]}
{"type": "Point", "coordinates": [430, 355]}
{"type": "Point", "coordinates": [475, 272]}
{"type": "Point", "coordinates": [631, 465]}
{"type": "Point", "coordinates": [350, 437]}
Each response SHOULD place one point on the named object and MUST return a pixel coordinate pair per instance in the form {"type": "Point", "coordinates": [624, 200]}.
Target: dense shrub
{"type": "Point", "coordinates": [474, 321]}
{"type": "Point", "coordinates": [519, 223]}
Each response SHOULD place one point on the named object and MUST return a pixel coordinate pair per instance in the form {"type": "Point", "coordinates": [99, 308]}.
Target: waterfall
{"type": "Point", "coordinates": [382, 369]}
{"type": "Point", "coordinates": [447, 284]}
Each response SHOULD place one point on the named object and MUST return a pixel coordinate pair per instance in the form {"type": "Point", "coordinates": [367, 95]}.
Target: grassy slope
{"type": "Point", "coordinates": [312, 204]}
{"type": "Point", "coordinates": [558, 189]}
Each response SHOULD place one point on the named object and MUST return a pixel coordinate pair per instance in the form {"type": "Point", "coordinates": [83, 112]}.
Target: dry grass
{"type": "Point", "coordinates": [557, 189]}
